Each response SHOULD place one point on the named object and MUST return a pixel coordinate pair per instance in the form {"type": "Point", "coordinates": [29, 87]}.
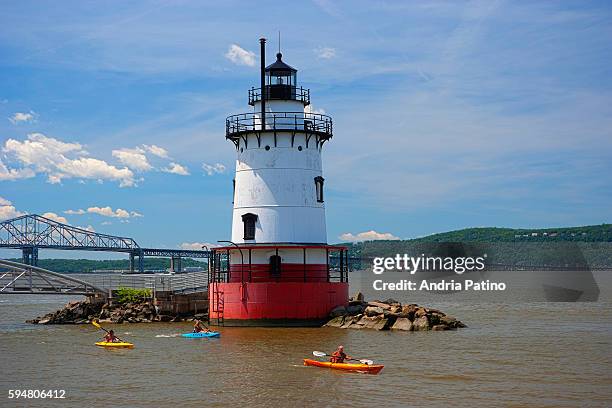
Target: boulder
{"type": "Point", "coordinates": [357, 297]}
{"type": "Point", "coordinates": [338, 311]}
{"type": "Point", "coordinates": [348, 321]}
{"type": "Point", "coordinates": [402, 323]}
{"type": "Point", "coordinates": [440, 327]}
{"type": "Point", "coordinates": [391, 301]}
{"type": "Point", "coordinates": [374, 310]}
{"type": "Point", "coordinates": [335, 322]}
{"type": "Point", "coordinates": [382, 305]}
{"type": "Point", "coordinates": [421, 323]}
{"type": "Point", "coordinates": [355, 309]}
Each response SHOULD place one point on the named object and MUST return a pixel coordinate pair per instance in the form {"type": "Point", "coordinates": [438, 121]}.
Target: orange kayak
{"type": "Point", "coordinates": [359, 368]}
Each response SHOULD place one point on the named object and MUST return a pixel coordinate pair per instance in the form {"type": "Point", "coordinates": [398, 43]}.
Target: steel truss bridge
{"type": "Point", "coordinates": [32, 232]}
{"type": "Point", "coordinates": [21, 278]}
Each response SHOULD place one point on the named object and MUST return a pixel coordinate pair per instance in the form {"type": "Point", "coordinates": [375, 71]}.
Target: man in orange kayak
{"type": "Point", "coordinates": [110, 337]}
{"type": "Point", "coordinates": [339, 355]}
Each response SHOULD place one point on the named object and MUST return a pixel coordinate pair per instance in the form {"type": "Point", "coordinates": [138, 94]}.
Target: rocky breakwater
{"type": "Point", "coordinates": [134, 312]}
{"type": "Point", "coordinates": [390, 315]}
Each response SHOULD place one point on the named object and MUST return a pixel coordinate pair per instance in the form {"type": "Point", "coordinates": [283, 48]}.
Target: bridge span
{"type": "Point", "coordinates": [32, 232]}
{"type": "Point", "coordinates": [19, 278]}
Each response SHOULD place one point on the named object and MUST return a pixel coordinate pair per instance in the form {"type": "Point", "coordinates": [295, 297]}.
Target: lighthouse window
{"type": "Point", "coordinates": [300, 148]}
{"type": "Point", "coordinates": [275, 265]}
{"type": "Point", "coordinates": [319, 188]}
{"type": "Point", "coordinates": [249, 221]}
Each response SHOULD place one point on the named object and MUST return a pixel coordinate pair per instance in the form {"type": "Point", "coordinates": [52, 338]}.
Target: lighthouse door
{"type": "Point", "coordinates": [275, 266]}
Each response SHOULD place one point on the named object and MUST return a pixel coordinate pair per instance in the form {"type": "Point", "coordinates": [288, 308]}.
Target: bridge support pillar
{"type": "Point", "coordinates": [131, 262]}
{"type": "Point", "coordinates": [29, 256]}
{"type": "Point", "coordinates": [175, 264]}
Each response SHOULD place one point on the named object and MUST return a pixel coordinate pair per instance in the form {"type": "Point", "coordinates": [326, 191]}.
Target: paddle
{"type": "Point", "coordinates": [322, 354]}
{"type": "Point", "coordinates": [100, 327]}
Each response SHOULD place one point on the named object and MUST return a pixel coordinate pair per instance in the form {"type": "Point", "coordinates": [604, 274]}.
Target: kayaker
{"type": "Point", "coordinates": [198, 328]}
{"type": "Point", "coordinates": [110, 337]}
{"type": "Point", "coordinates": [339, 355]}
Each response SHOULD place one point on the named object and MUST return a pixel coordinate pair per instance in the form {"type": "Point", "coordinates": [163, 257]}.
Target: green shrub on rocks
{"type": "Point", "coordinates": [129, 295]}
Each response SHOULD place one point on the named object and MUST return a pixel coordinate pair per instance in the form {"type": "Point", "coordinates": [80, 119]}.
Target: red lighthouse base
{"type": "Point", "coordinates": [250, 294]}
{"type": "Point", "coordinates": [276, 303]}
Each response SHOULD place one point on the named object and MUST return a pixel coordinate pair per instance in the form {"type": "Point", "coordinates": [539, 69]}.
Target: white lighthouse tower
{"type": "Point", "coordinates": [278, 268]}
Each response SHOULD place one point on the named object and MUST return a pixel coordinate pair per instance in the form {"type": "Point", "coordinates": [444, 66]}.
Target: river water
{"type": "Point", "coordinates": [515, 352]}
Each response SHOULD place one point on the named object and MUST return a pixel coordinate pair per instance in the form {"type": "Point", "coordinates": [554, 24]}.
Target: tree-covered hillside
{"type": "Point", "coordinates": [88, 265]}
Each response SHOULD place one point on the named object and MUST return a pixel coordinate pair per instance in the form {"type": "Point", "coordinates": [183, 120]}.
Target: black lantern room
{"type": "Point", "coordinates": [281, 80]}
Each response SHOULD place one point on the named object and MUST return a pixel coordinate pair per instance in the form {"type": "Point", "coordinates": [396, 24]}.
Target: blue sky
{"type": "Point", "coordinates": [446, 114]}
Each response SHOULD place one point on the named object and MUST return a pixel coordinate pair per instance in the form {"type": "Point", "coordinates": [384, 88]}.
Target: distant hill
{"type": "Point", "coordinates": [589, 233]}
{"type": "Point", "coordinates": [508, 245]}
{"type": "Point", "coordinates": [88, 265]}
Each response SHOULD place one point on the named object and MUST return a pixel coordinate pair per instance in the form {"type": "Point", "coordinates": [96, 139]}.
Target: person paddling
{"type": "Point", "coordinates": [110, 337]}
{"type": "Point", "coordinates": [198, 328]}
{"type": "Point", "coordinates": [339, 355]}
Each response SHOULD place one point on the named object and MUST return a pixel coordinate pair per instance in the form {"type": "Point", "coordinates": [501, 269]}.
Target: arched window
{"type": "Point", "coordinates": [249, 221]}
{"type": "Point", "coordinates": [319, 188]}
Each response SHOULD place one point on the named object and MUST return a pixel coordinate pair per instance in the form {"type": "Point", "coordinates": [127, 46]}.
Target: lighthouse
{"type": "Point", "coordinates": [277, 269]}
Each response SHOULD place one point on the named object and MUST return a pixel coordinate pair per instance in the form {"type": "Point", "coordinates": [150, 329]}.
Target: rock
{"type": "Point", "coordinates": [440, 327]}
{"type": "Point", "coordinates": [348, 321]}
{"type": "Point", "coordinates": [402, 323]}
{"type": "Point", "coordinates": [338, 311]}
{"type": "Point", "coordinates": [357, 297]}
{"type": "Point", "coordinates": [44, 321]}
{"type": "Point", "coordinates": [391, 301]}
{"type": "Point", "coordinates": [355, 309]}
{"type": "Point", "coordinates": [421, 323]}
{"type": "Point", "coordinates": [335, 322]}
{"type": "Point", "coordinates": [374, 310]}
{"type": "Point", "coordinates": [382, 305]}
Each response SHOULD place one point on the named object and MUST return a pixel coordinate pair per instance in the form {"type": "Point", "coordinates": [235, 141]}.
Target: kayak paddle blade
{"type": "Point", "coordinates": [319, 354]}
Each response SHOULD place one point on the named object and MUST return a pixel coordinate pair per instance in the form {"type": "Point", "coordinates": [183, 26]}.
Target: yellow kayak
{"type": "Point", "coordinates": [118, 344]}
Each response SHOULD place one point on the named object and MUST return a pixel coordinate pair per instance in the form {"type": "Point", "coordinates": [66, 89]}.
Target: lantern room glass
{"type": "Point", "coordinates": [281, 78]}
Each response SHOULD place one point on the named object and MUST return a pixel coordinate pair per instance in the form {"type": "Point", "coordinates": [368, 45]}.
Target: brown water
{"type": "Point", "coordinates": [514, 353]}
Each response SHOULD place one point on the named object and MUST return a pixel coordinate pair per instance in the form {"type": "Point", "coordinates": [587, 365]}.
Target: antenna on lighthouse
{"type": "Point", "coordinates": [279, 41]}
{"type": "Point", "coordinates": [262, 58]}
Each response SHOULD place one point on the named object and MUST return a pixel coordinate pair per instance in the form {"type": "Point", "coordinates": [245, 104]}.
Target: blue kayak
{"type": "Point", "coordinates": [201, 334]}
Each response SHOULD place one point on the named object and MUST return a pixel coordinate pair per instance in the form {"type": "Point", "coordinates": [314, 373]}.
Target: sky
{"type": "Point", "coordinates": [446, 115]}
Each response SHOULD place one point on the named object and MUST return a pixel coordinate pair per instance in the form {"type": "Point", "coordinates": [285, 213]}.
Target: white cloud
{"type": "Point", "coordinates": [14, 174]}
{"type": "Point", "coordinates": [106, 223]}
{"type": "Point", "coordinates": [156, 151]}
{"type": "Point", "coordinates": [176, 168]}
{"type": "Point", "coordinates": [57, 218]}
{"type": "Point", "coordinates": [193, 246]}
{"type": "Point", "coordinates": [7, 210]}
{"type": "Point", "coordinates": [89, 228]}
{"type": "Point", "coordinates": [60, 160]}
{"type": "Point", "coordinates": [23, 117]}
{"type": "Point", "coordinates": [211, 169]}
{"type": "Point", "coordinates": [325, 52]}
{"type": "Point", "coordinates": [311, 109]}
{"type": "Point", "coordinates": [367, 236]}
{"type": "Point", "coordinates": [240, 56]}
{"type": "Point", "coordinates": [135, 159]}
{"type": "Point", "coordinates": [108, 212]}
{"type": "Point", "coordinates": [75, 212]}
